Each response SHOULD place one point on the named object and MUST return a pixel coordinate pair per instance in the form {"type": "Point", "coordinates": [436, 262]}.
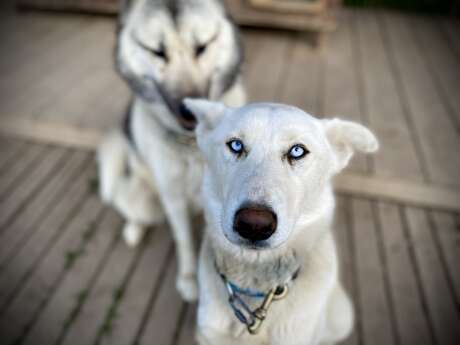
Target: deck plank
{"type": "Point", "coordinates": [27, 34]}
{"type": "Point", "coordinates": [439, 300]}
{"type": "Point", "coordinates": [412, 323]}
{"type": "Point", "coordinates": [50, 53]}
{"type": "Point", "coordinates": [187, 332]}
{"type": "Point", "coordinates": [375, 309]}
{"type": "Point", "coordinates": [131, 311]}
{"type": "Point", "coordinates": [16, 234]}
{"type": "Point", "coordinates": [29, 185]}
{"type": "Point", "coordinates": [102, 110]}
{"type": "Point", "coordinates": [107, 290]}
{"type": "Point", "coordinates": [86, 79]}
{"type": "Point", "coordinates": [42, 240]}
{"type": "Point", "coordinates": [442, 62]}
{"type": "Point", "coordinates": [11, 149]}
{"type": "Point", "coordinates": [98, 43]}
{"type": "Point", "coordinates": [77, 284]}
{"type": "Point", "coordinates": [447, 236]}
{"type": "Point", "coordinates": [300, 83]}
{"type": "Point", "coordinates": [32, 296]}
{"type": "Point", "coordinates": [273, 46]}
{"type": "Point", "coordinates": [450, 28]}
{"type": "Point", "coordinates": [343, 94]}
{"type": "Point", "coordinates": [19, 95]}
{"type": "Point", "coordinates": [398, 156]}
{"type": "Point", "coordinates": [427, 109]}
{"type": "Point", "coordinates": [166, 311]}
{"type": "Point", "coordinates": [19, 168]}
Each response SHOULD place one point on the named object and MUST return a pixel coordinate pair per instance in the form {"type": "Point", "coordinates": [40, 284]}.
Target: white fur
{"type": "Point", "coordinates": [316, 310]}
{"type": "Point", "coordinates": [158, 176]}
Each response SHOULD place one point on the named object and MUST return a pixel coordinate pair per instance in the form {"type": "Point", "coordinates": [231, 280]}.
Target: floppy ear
{"type": "Point", "coordinates": [207, 113]}
{"type": "Point", "coordinates": [346, 137]}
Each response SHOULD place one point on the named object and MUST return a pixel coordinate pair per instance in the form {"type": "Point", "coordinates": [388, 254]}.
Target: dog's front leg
{"type": "Point", "coordinates": [177, 211]}
{"type": "Point", "coordinates": [179, 219]}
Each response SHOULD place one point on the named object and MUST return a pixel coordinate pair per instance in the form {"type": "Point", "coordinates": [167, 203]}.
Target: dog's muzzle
{"type": "Point", "coordinates": [255, 223]}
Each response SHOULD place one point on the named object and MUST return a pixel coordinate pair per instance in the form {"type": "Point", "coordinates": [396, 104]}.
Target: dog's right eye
{"type": "Point", "coordinates": [159, 53]}
{"type": "Point", "coordinates": [236, 146]}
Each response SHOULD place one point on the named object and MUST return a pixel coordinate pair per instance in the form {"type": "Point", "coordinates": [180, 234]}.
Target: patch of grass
{"type": "Point", "coordinates": [107, 326]}
{"type": "Point", "coordinates": [70, 257]}
{"type": "Point", "coordinates": [80, 297]}
{"type": "Point", "coordinates": [89, 231]}
{"type": "Point", "coordinates": [93, 184]}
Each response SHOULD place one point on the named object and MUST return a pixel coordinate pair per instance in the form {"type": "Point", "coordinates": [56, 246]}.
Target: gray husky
{"type": "Point", "coordinates": [150, 169]}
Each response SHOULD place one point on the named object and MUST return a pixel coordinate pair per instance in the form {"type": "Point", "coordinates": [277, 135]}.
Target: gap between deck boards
{"type": "Point", "coordinates": [416, 194]}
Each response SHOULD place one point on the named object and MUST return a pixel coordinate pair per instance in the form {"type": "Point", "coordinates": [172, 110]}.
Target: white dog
{"type": "Point", "coordinates": [151, 171]}
{"type": "Point", "coordinates": [268, 269]}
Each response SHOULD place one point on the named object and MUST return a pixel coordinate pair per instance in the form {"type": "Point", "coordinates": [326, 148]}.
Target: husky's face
{"type": "Point", "coordinates": [172, 49]}
{"type": "Point", "coordinates": [269, 168]}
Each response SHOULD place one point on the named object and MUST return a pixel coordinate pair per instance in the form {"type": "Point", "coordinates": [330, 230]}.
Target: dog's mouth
{"type": "Point", "coordinates": [186, 119]}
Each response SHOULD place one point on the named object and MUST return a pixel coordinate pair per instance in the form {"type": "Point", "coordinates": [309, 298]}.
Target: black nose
{"type": "Point", "coordinates": [255, 223]}
{"type": "Point", "coordinates": [186, 117]}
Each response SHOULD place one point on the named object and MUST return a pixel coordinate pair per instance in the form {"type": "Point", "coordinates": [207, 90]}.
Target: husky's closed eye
{"type": "Point", "coordinates": [201, 48]}
{"type": "Point", "coordinates": [159, 52]}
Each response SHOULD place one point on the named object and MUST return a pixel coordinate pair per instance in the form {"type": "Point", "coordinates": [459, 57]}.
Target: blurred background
{"type": "Point", "coordinates": [394, 65]}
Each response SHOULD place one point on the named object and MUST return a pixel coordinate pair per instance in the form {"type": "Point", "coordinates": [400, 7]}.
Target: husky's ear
{"type": "Point", "coordinates": [207, 113]}
{"type": "Point", "coordinates": [346, 137]}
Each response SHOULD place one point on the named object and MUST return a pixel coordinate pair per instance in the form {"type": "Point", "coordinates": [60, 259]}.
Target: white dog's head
{"type": "Point", "coordinates": [168, 50]}
{"type": "Point", "coordinates": [269, 168]}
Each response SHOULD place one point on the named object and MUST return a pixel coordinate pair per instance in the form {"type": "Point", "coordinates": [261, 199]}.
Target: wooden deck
{"type": "Point", "coordinates": [66, 277]}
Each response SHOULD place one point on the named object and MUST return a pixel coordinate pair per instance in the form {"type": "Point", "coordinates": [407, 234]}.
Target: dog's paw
{"type": "Point", "coordinates": [133, 234]}
{"type": "Point", "coordinates": [187, 285]}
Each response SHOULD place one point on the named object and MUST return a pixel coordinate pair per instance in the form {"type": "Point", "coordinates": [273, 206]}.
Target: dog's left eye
{"type": "Point", "coordinates": [200, 49]}
{"type": "Point", "coordinates": [236, 146]}
{"type": "Point", "coordinates": [297, 151]}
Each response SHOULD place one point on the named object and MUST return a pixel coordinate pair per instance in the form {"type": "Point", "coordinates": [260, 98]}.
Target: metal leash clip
{"type": "Point", "coordinates": [260, 313]}
{"type": "Point", "coordinates": [254, 319]}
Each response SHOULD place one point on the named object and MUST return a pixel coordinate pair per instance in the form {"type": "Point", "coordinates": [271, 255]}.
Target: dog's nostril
{"type": "Point", "coordinates": [186, 117]}
{"type": "Point", "coordinates": [256, 223]}
{"type": "Point", "coordinates": [185, 112]}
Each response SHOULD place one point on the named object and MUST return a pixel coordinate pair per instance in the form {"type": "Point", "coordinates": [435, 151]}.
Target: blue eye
{"type": "Point", "coordinates": [236, 146]}
{"type": "Point", "coordinates": [297, 151]}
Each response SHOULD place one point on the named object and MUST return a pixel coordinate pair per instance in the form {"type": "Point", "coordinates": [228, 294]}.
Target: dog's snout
{"type": "Point", "coordinates": [186, 117]}
{"type": "Point", "coordinates": [255, 223]}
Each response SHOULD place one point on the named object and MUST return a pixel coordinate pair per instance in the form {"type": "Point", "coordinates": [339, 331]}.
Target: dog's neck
{"type": "Point", "coordinates": [262, 274]}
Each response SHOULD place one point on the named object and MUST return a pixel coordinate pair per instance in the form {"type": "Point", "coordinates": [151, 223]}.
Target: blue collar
{"type": "Point", "coordinates": [233, 288]}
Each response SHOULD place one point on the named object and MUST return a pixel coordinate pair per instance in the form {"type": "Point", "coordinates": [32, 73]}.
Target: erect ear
{"type": "Point", "coordinates": [207, 113]}
{"type": "Point", "coordinates": [346, 137]}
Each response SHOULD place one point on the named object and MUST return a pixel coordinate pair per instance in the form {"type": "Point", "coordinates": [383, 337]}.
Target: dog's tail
{"type": "Point", "coordinates": [112, 159]}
